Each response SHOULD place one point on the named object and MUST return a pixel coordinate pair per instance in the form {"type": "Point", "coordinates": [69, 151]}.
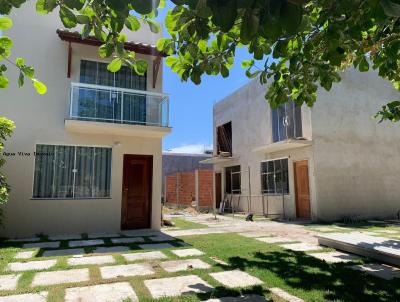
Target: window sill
{"type": "Point", "coordinates": [80, 198]}
{"type": "Point", "coordinates": [277, 194]}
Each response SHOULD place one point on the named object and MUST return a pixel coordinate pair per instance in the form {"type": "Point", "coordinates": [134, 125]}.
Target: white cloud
{"type": "Point", "coordinates": [191, 149]}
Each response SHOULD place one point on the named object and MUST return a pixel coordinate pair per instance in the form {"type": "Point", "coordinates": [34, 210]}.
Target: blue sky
{"type": "Point", "coordinates": [191, 105]}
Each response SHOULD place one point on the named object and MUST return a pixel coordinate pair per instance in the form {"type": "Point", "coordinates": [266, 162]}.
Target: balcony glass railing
{"type": "Point", "coordinates": [118, 105]}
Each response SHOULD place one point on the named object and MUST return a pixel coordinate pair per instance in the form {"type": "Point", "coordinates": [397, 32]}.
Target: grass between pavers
{"type": "Point", "coordinates": [295, 272]}
{"type": "Point", "coordinates": [187, 224]}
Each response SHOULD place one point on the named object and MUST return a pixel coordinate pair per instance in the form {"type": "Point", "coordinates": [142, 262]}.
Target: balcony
{"type": "Point", "coordinates": [117, 111]}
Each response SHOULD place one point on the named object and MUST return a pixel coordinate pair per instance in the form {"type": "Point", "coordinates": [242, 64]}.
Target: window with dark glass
{"type": "Point", "coordinates": [286, 122]}
{"type": "Point", "coordinates": [224, 138]}
{"type": "Point", "coordinates": [232, 180]}
{"type": "Point", "coordinates": [72, 172]}
{"type": "Point", "coordinates": [274, 176]}
{"type": "Point", "coordinates": [105, 105]}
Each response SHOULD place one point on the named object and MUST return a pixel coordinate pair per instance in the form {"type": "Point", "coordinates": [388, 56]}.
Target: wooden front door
{"type": "Point", "coordinates": [218, 188]}
{"type": "Point", "coordinates": [136, 191]}
{"type": "Point", "coordinates": [303, 208]}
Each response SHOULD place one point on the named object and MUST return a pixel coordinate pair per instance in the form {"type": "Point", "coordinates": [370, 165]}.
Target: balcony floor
{"type": "Point", "coordinates": [94, 127]}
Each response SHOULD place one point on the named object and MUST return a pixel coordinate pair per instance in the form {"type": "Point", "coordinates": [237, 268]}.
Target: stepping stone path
{"type": "Point", "coordinates": [127, 240]}
{"type": "Point", "coordinates": [284, 295]}
{"type": "Point", "coordinates": [91, 260]}
{"type": "Point", "coordinates": [111, 249]}
{"type": "Point", "coordinates": [25, 255]}
{"type": "Point", "coordinates": [379, 270]}
{"type": "Point", "coordinates": [176, 286]}
{"type": "Point", "coordinates": [81, 243]}
{"type": "Point", "coordinates": [187, 252]}
{"type": "Point", "coordinates": [335, 257]}
{"type": "Point", "coordinates": [275, 239]}
{"type": "Point", "coordinates": [144, 256]}
{"type": "Point", "coordinates": [31, 265]}
{"type": "Point", "coordinates": [65, 237]}
{"type": "Point", "coordinates": [184, 265]}
{"type": "Point", "coordinates": [249, 298]}
{"type": "Point", "coordinates": [155, 246]}
{"type": "Point", "coordinates": [126, 270]}
{"type": "Point", "coordinates": [236, 278]}
{"type": "Point", "coordinates": [59, 277]}
{"type": "Point", "coordinates": [103, 235]}
{"type": "Point", "coordinates": [9, 282]}
{"type": "Point", "coordinates": [301, 247]}
{"type": "Point", "coordinates": [38, 297]}
{"type": "Point", "coordinates": [114, 292]}
{"type": "Point", "coordinates": [42, 245]}
{"type": "Point", "coordinates": [162, 238]}
{"type": "Point", "coordinates": [66, 252]}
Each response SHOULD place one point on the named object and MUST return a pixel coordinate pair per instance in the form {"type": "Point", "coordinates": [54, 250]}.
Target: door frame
{"type": "Point", "coordinates": [123, 196]}
{"type": "Point", "coordinates": [295, 186]}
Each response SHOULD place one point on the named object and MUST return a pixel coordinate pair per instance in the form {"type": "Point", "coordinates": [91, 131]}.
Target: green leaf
{"type": "Point", "coordinates": [247, 64]}
{"type": "Point", "coordinates": [390, 8]}
{"type": "Point", "coordinates": [86, 30]}
{"type": "Point", "coordinates": [19, 62]}
{"type": "Point", "coordinates": [202, 44]}
{"type": "Point", "coordinates": [145, 7]}
{"type": "Point", "coordinates": [363, 65]}
{"type": "Point", "coordinates": [132, 23]}
{"type": "Point", "coordinates": [140, 67]}
{"type": "Point", "coordinates": [224, 71]}
{"type": "Point", "coordinates": [202, 10]}
{"type": "Point", "coordinates": [5, 42]}
{"type": "Point", "coordinates": [250, 24]}
{"type": "Point", "coordinates": [114, 65]}
{"type": "Point", "coordinates": [82, 19]}
{"type": "Point", "coordinates": [3, 82]}
{"type": "Point", "coordinates": [290, 16]}
{"type": "Point", "coordinates": [39, 86]}
{"type": "Point", "coordinates": [106, 50]}
{"type": "Point", "coordinates": [155, 27]}
{"type": "Point", "coordinates": [224, 13]}
{"type": "Point", "coordinates": [21, 79]}
{"type": "Point", "coordinates": [170, 61]}
{"type": "Point", "coordinates": [74, 4]}
{"type": "Point", "coordinates": [67, 17]}
{"type": "Point", "coordinates": [5, 23]}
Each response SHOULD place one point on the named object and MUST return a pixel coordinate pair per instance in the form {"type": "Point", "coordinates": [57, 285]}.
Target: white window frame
{"type": "Point", "coordinates": [265, 191]}
{"type": "Point", "coordinates": [75, 146]}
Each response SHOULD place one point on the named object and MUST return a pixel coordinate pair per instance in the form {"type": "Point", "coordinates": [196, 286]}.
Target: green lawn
{"type": "Point", "coordinates": [186, 224]}
{"type": "Point", "coordinates": [297, 273]}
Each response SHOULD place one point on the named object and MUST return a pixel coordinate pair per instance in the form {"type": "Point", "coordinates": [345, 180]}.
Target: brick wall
{"type": "Point", "coordinates": [205, 188]}
{"type": "Point", "coordinates": [185, 193]}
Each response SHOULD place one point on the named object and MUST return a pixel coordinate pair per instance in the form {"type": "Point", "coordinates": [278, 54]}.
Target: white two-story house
{"type": "Point", "coordinates": [330, 162]}
{"type": "Point", "coordinates": [86, 156]}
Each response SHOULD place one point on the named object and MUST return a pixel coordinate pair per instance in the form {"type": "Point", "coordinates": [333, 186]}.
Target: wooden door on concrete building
{"type": "Point", "coordinates": [301, 180]}
{"type": "Point", "coordinates": [136, 191]}
{"type": "Point", "coordinates": [218, 189]}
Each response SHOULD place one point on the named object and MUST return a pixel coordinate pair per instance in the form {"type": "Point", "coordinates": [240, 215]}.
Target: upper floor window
{"type": "Point", "coordinates": [286, 122]}
{"type": "Point", "coordinates": [224, 138]}
{"type": "Point", "coordinates": [96, 73]}
{"type": "Point", "coordinates": [274, 176]}
{"type": "Point", "coordinates": [72, 172]}
{"type": "Point", "coordinates": [233, 180]}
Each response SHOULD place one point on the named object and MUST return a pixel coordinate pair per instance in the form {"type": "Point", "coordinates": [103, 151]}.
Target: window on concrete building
{"type": "Point", "coordinates": [72, 172]}
{"type": "Point", "coordinates": [232, 180]}
{"type": "Point", "coordinates": [274, 176]}
{"type": "Point", "coordinates": [286, 122]}
{"type": "Point", "coordinates": [224, 138]}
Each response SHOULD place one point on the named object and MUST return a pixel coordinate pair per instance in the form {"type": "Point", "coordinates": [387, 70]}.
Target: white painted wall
{"type": "Point", "coordinates": [40, 119]}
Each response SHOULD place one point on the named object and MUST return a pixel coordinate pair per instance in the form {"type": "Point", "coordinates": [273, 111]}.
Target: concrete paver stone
{"type": "Point", "coordinates": [176, 286]}
{"type": "Point", "coordinates": [37, 297]}
{"type": "Point", "coordinates": [60, 277]}
{"type": "Point", "coordinates": [184, 265]}
{"type": "Point", "coordinates": [89, 242]}
{"type": "Point", "coordinates": [236, 278]}
{"type": "Point", "coordinates": [91, 260]}
{"type": "Point", "coordinates": [113, 292]}
{"type": "Point", "coordinates": [187, 252]}
{"type": "Point", "coordinates": [284, 295]}
{"type": "Point", "coordinates": [126, 270]}
{"type": "Point", "coordinates": [31, 265]}
{"type": "Point", "coordinates": [9, 282]}
{"type": "Point", "coordinates": [145, 256]}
